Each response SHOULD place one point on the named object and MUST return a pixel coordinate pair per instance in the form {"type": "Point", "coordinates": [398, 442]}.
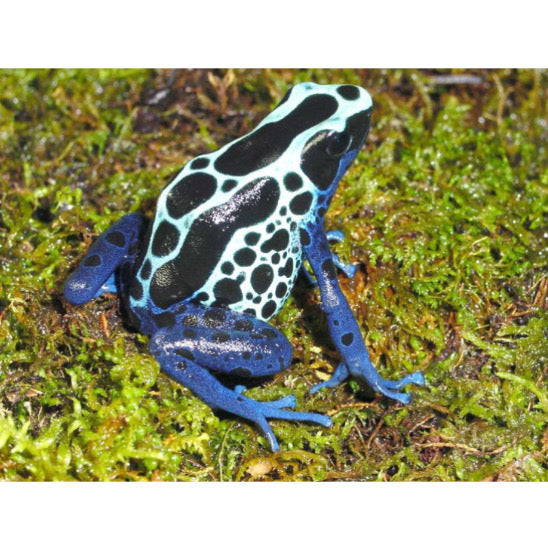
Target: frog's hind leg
{"type": "Point", "coordinates": [228, 342]}
{"type": "Point", "coordinates": [96, 273]}
{"type": "Point", "coordinates": [225, 341]}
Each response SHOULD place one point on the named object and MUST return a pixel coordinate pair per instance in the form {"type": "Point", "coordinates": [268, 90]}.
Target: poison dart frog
{"type": "Point", "coordinates": [221, 255]}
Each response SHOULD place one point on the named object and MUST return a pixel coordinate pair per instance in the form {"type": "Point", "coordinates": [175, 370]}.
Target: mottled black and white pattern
{"type": "Point", "coordinates": [226, 228]}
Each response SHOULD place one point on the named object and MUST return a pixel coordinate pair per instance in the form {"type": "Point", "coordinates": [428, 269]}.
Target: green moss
{"type": "Point", "coordinates": [445, 211]}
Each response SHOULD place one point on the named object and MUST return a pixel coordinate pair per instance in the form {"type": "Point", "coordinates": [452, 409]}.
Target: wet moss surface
{"type": "Point", "coordinates": [445, 212]}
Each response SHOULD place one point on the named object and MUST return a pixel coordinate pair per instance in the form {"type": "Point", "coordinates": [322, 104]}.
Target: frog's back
{"type": "Point", "coordinates": [226, 229]}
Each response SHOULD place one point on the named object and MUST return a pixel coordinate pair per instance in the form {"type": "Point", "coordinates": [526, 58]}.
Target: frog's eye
{"type": "Point", "coordinates": [338, 144]}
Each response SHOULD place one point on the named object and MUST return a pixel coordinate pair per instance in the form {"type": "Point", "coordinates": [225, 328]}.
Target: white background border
{"type": "Point", "coordinates": [282, 33]}
{"type": "Point", "coordinates": [470, 34]}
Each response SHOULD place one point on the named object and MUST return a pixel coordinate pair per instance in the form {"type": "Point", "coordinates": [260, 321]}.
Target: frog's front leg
{"type": "Point", "coordinates": [343, 327]}
{"type": "Point", "coordinates": [193, 339]}
{"type": "Point", "coordinates": [95, 274]}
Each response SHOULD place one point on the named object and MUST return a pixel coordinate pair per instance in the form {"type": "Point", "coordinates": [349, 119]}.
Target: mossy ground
{"type": "Point", "coordinates": [445, 211]}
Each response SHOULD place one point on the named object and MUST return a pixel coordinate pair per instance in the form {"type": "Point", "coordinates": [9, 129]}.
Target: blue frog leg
{"type": "Point", "coordinates": [343, 327]}
{"type": "Point", "coordinates": [348, 269]}
{"type": "Point", "coordinates": [193, 339]}
{"type": "Point", "coordinates": [96, 273]}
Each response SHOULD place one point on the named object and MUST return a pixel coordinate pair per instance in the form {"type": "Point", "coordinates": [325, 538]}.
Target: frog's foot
{"type": "Point", "coordinates": [348, 269]}
{"type": "Point", "coordinates": [275, 410]}
{"type": "Point", "coordinates": [218, 396]}
{"type": "Point", "coordinates": [384, 386]}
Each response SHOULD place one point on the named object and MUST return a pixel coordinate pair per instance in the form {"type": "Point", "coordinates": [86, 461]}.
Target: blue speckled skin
{"type": "Point", "coordinates": [222, 253]}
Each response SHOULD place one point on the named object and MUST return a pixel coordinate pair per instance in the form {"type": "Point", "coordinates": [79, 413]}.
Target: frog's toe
{"type": "Point", "coordinates": [287, 401]}
{"type": "Point", "coordinates": [277, 410]}
{"type": "Point", "coordinates": [391, 388]}
{"type": "Point", "coordinates": [402, 397]}
{"type": "Point", "coordinates": [273, 412]}
{"type": "Point", "coordinates": [261, 422]}
{"type": "Point", "coordinates": [334, 235]}
{"type": "Point", "coordinates": [348, 269]}
{"type": "Point", "coordinates": [416, 378]}
{"type": "Point", "coordinates": [260, 411]}
{"type": "Point", "coordinates": [340, 374]}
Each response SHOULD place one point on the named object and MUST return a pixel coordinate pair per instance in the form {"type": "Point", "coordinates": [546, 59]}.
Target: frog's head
{"type": "Point", "coordinates": [315, 131]}
{"type": "Point", "coordinates": [342, 115]}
